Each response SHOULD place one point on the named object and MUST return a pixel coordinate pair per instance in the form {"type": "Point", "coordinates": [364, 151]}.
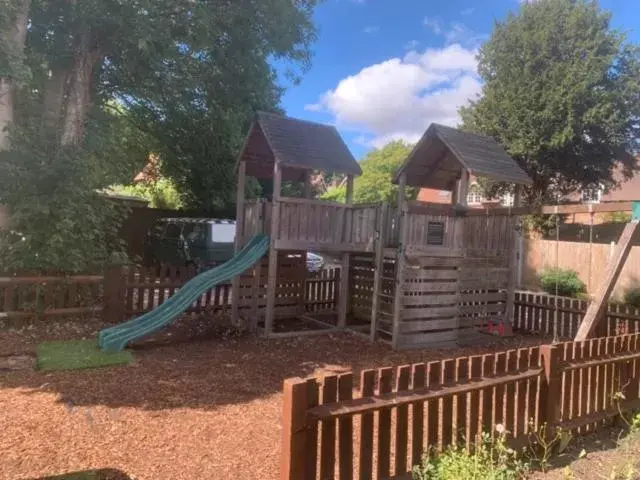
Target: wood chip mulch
{"type": "Point", "coordinates": [196, 403]}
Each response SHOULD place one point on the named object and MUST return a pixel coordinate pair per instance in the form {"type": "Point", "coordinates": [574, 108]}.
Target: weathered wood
{"type": "Point", "coordinates": [400, 261]}
{"type": "Point", "coordinates": [367, 389]}
{"type": "Point", "coordinates": [273, 253]}
{"type": "Point", "coordinates": [294, 447]}
{"type": "Point", "coordinates": [384, 425]}
{"type": "Point", "coordinates": [328, 426]}
{"type": "Point", "coordinates": [598, 305]}
{"type": "Point", "coordinates": [424, 313]}
{"type": "Point", "coordinates": [239, 238]}
{"type": "Point", "coordinates": [378, 268]}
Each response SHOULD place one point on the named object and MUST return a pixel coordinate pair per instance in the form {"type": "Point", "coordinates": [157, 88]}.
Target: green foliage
{"type": "Point", "coordinates": [632, 297]}
{"type": "Point", "coordinates": [182, 78]}
{"type": "Point", "coordinates": [160, 194]}
{"type": "Point", "coordinates": [565, 282]}
{"type": "Point", "coordinates": [378, 167]}
{"type": "Point", "coordinates": [491, 460]}
{"type": "Point", "coordinates": [561, 94]}
{"type": "Point", "coordinates": [620, 217]}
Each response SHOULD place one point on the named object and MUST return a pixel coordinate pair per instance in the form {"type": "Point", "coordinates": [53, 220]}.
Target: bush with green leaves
{"type": "Point", "coordinates": [632, 297]}
{"type": "Point", "coordinates": [562, 282]}
{"type": "Point", "coordinates": [492, 459]}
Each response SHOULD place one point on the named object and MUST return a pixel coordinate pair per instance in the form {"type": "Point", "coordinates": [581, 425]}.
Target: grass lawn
{"type": "Point", "coordinates": [77, 354]}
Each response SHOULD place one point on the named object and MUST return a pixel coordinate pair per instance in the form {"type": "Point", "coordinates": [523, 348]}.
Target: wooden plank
{"type": "Point", "coordinates": [430, 300]}
{"type": "Point", "coordinates": [434, 370]}
{"type": "Point", "coordinates": [402, 422]}
{"type": "Point", "coordinates": [311, 430]}
{"type": "Point", "coordinates": [293, 445]}
{"type": "Point", "coordinates": [345, 430]}
{"type": "Point", "coordinates": [461, 423]}
{"type": "Point", "coordinates": [427, 325]}
{"type": "Point", "coordinates": [598, 305]}
{"type": "Point", "coordinates": [442, 339]}
{"type": "Point", "coordinates": [400, 262]}
{"type": "Point", "coordinates": [432, 312]}
{"type": "Point", "coordinates": [328, 426]}
{"type": "Point", "coordinates": [474, 427]}
{"type": "Point", "coordinates": [382, 219]}
{"type": "Point", "coordinates": [417, 415]}
{"type": "Point", "coordinates": [384, 426]}
{"type": "Point", "coordinates": [367, 389]}
{"type": "Point", "coordinates": [446, 405]}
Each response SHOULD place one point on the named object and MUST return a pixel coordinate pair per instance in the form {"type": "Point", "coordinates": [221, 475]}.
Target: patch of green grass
{"type": "Point", "coordinates": [77, 354]}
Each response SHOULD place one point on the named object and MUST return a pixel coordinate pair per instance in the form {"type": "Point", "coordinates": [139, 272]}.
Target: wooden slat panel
{"type": "Point", "coordinates": [402, 422]}
{"type": "Point", "coordinates": [417, 413]}
{"type": "Point", "coordinates": [367, 388]}
{"type": "Point", "coordinates": [328, 427]}
{"type": "Point", "coordinates": [384, 426]}
{"type": "Point", "coordinates": [345, 427]}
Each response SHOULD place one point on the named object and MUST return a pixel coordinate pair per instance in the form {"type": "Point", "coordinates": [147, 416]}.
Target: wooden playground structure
{"type": "Point", "coordinates": [415, 274]}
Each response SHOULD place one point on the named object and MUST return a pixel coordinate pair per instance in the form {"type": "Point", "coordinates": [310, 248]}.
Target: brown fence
{"type": "Point", "coordinates": [133, 291]}
{"type": "Point", "coordinates": [43, 297]}
{"type": "Point", "coordinates": [398, 414]}
{"type": "Point", "coordinates": [538, 313]}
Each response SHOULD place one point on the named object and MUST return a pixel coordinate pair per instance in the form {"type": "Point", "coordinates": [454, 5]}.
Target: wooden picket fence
{"type": "Point", "coordinates": [398, 414]}
{"type": "Point", "coordinates": [536, 313]}
{"type": "Point", "coordinates": [133, 291]}
{"type": "Point", "coordinates": [50, 296]}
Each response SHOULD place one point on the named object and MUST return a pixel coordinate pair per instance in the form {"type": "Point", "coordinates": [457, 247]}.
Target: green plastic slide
{"type": "Point", "coordinates": [116, 338]}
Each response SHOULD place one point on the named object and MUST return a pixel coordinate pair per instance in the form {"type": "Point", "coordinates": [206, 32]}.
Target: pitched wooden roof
{"type": "Point", "coordinates": [297, 144]}
{"type": "Point", "coordinates": [442, 152]}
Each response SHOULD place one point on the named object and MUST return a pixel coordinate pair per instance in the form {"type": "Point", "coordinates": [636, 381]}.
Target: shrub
{"type": "Point", "coordinates": [568, 282]}
{"type": "Point", "coordinates": [632, 297]}
{"type": "Point", "coordinates": [491, 460]}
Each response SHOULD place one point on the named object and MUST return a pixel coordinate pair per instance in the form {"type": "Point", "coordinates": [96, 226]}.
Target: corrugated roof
{"type": "Point", "coordinates": [308, 145]}
{"type": "Point", "coordinates": [480, 155]}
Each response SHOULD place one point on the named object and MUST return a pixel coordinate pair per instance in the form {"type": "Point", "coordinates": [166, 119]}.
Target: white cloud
{"type": "Point", "coordinates": [371, 29]}
{"type": "Point", "coordinates": [411, 45]}
{"type": "Point", "coordinates": [434, 24]}
{"type": "Point", "coordinates": [400, 97]}
{"type": "Point", "coordinates": [468, 11]}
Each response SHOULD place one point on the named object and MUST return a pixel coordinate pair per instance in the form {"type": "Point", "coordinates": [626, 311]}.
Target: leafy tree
{"type": "Point", "coordinates": [161, 193]}
{"type": "Point", "coordinates": [378, 167]}
{"type": "Point", "coordinates": [561, 94]}
{"type": "Point", "coordinates": [90, 87]}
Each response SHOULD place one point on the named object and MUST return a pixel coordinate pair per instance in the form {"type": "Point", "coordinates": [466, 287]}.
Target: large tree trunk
{"type": "Point", "coordinates": [53, 101]}
{"type": "Point", "coordinates": [78, 95]}
{"type": "Point", "coordinates": [15, 37]}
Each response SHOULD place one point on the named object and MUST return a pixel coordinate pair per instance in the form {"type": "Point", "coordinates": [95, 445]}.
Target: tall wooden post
{"type": "Point", "coordinates": [343, 298]}
{"type": "Point", "coordinates": [400, 260]}
{"type": "Point", "coordinates": [383, 215]}
{"type": "Point", "coordinates": [514, 259]}
{"type": "Point", "coordinates": [239, 240]}
{"type": "Point", "coordinates": [460, 198]}
{"type": "Point", "coordinates": [306, 188]}
{"type": "Point", "coordinates": [272, 273]}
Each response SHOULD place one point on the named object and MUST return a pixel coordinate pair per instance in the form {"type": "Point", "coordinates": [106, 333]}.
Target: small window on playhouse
{"type": "Point", "coordinates": [435, 233]}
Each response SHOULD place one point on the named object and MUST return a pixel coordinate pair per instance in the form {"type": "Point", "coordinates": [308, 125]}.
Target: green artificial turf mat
{"type": "Point", "coordinates": [77, 354]}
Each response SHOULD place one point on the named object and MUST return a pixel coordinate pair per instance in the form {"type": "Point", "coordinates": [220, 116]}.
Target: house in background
{"type": "Point", "coordinates": [628, 189]}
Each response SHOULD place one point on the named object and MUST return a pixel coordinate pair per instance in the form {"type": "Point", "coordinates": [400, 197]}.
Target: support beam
{"type": "Point", "coordinates": [514, 259]}
{"type": "Point", "coordinates": [272, 273]}
{"type": "Point", "coordinates": [403, 226]}
{"type": "Point", "coordinates": [239, 239]}
{"type": "Point", "coordinates": [343, 298]}
{"type": "Point", "coordinates": [383, 215]}
{"type": "Point", "coordinates": [599, 304]}
{"type": "Point", "coordinates": [306, 188]}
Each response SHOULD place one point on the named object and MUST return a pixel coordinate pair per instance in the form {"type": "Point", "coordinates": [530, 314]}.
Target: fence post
{"type": "Point", "coordinates": [551, 394]}
{"type": "Point", "coordinates": [114, 295]}
{"type": "Point", "coordinates": [294, 449]}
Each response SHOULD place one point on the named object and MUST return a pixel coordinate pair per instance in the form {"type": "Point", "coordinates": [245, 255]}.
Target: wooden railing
{"type": "Point", "coordinates": [133, 291]}
{"type": "Point", "coordinates": [452, 401]}
{"type": "Point", "coordinates": [50, 296]}
{"type": "Point", "coordinates": [538, 313]}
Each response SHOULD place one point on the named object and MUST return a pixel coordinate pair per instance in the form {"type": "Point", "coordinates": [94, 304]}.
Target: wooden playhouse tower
{"type": "Point", "coordinates": [414, 275]}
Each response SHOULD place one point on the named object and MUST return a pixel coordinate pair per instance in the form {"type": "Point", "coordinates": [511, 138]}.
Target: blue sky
{"type": "Point", "coordinates": [385, 69]}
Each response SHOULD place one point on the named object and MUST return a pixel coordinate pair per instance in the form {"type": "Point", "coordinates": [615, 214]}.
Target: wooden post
{"type": "Point", "coordinates": [306, 189]}
{"type": "Point", "coordinates": [115, 293]}
{"type": "Point", "coordinates": [381, 227]}
{"type": "Point", "coordinates": [400, 259]}
{"type": "Point", "coordinates": [551, 394]}
{"type": "Point", "coordinates": [513, 263]}
{"type": "Point", "coordinates": [257, 272]}
{"type": "Point", "coordinates": [272, 273]}
{"type": "Point", "coordinates": [460, 198]}
{"type": "Point", "coordinates": [238, 241]}
{"type": "Point", "coordinates": [599, 304]}
{"type": "Point", "coordinates": [343, 299]}
{"type": "Point", "coordinates": [294, 450]}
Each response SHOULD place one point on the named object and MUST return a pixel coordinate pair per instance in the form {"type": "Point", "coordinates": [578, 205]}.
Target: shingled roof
{"type": "Point", "coordinates": [438, 158]}
{"type": "Point", "coordinates": [298, 145]}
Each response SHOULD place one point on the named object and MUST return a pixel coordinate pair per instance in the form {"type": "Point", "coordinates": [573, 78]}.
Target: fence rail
{"type": "Point", "coordinates": [44, 297]}
{"type": "Point", "coordinates": [398, 414]}
{"type": "Point", "coordinates": [537, 312]}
